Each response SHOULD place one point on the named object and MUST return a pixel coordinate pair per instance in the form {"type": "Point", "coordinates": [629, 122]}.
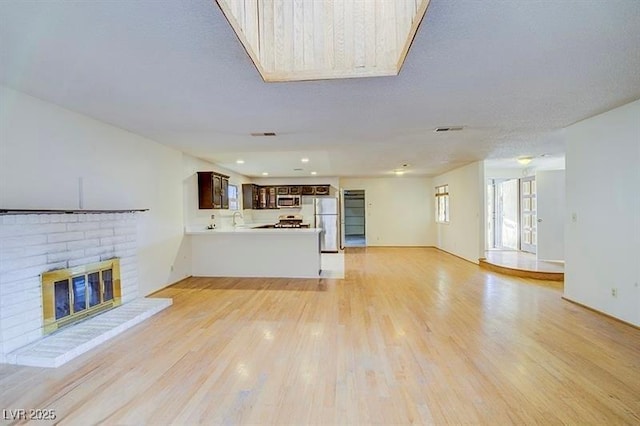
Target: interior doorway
{"type": "Point", "coordinates": [503, 228]}
{"type": "Point", "coordinates": [354, 218]}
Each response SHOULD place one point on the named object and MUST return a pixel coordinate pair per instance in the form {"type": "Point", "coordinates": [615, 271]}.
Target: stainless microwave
{"type": "Point", "coordinates": [288, 200]}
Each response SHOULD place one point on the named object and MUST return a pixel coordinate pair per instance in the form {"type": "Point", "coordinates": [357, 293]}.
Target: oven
{"type": "Point", "coordinates": [290, 221]}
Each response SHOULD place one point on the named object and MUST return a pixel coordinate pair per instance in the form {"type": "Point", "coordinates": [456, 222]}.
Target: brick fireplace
{"type": "Point", "coordinates": [34, 244]}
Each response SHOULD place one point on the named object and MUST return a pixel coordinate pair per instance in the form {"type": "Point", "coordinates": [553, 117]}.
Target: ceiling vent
{"type": "Point", "coordinates": [448, 129]}
{"type": "Point", "coordinates": [263, 134]}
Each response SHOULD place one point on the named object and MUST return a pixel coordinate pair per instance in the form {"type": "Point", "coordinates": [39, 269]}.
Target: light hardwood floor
{"type": "Point", "coordinates": [410, 336]}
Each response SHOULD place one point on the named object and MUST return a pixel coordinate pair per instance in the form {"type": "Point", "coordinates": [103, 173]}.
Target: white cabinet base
{"type": "Point", "coordinates": [280, 253]}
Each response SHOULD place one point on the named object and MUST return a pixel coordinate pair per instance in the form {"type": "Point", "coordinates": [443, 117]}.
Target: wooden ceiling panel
{"type": "Point", "coordinates": [312, 40]}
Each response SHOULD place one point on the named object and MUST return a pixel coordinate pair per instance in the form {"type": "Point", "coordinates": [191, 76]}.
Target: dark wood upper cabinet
{"type": "Point", "coordinates": [295, 190]}
{"type": "Point", "coordinates": [250, 196]}
{"type": "Point", "coordinates": [265, 197]}
{"type": "Point", "coordinates": [213, 190]}
{"type": "Point", "coordinates": [262, 197]}
{"type": "Point", "coordinates": [272, 197]}
{"type": "Point", "coordinates": [224, 194]}
{"type": "Point", "coordinates": [322, 189]}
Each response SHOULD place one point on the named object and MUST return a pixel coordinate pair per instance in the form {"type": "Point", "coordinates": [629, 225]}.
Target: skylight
{"type": "Point", "coordinates": [291, 40]}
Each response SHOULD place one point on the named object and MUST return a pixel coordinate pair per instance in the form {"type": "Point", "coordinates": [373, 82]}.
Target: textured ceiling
{"type": "Point", "coordinates": [511, 72]}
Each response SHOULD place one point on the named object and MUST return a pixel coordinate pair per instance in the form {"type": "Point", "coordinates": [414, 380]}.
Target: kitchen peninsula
{"type": "Point", "coordinates": [255, 252]}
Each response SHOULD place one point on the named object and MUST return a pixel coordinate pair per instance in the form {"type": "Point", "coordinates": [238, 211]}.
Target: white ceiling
{"type": "Point", "coordinates": [512, 72]}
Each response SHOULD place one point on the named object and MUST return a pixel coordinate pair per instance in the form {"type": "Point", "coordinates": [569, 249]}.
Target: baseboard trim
{"type": "Point", "coordinates": [379, 246]}
{"type": "Point", "coordinates": [455, 255]}
{"type": "Point", "coordinates": [169, 285]}
{"type": "Point", "coordinates": [601, 313]}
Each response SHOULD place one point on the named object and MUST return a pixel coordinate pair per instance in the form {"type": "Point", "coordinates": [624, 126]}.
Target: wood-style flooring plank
{"type": "Point", "coordinates": [410, 336]}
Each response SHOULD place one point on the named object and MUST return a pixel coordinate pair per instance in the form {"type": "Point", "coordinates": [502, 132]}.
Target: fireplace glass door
{"type": "Point", "coordinates": [76, 293]}
{"type": "Point", "coordinates": [62, 298]}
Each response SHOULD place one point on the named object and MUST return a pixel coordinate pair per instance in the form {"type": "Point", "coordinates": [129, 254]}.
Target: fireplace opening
{"type": "Point", "coordinates": [74, 294]}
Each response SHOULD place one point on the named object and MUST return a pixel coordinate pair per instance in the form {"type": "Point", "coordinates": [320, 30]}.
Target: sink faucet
{"type": "Point", "coordinates": [234, 217]}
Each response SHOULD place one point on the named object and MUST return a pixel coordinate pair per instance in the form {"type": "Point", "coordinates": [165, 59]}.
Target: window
{"type": "Point", "coordinates": [233, 197]}
{"type": "Point", "coordinates": [442, 204]}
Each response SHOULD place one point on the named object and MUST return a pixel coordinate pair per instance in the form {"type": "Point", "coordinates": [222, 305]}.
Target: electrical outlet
{"type": "Point", "coordinates": [614, 292]}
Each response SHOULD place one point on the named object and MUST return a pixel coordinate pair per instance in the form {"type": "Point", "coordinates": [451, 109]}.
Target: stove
{"type": "Point", "coordinates": [290, 221]}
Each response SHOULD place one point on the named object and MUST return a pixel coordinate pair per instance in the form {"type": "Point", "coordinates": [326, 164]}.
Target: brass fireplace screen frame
{"type": "Point", "coordinates": [109, 293]}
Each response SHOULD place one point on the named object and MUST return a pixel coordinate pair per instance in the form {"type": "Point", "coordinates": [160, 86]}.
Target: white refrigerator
{"type": "Point", "coordinates": [327, 218]}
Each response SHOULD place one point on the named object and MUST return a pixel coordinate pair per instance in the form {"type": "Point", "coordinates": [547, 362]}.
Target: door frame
{"type": "Point", "coordinates": [495, 216]}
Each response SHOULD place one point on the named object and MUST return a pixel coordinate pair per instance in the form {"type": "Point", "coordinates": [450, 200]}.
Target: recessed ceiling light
{"type": "Point", "coordinates": [524, 160]}
{"type": "Point", "coordinates": [314, 173]}
{"type": "Point", "coordinates": [265, 174]}
{"type": "Point", "coordinates": [239, 161]}
{"type": "Point", "coordinates": [305, 160]}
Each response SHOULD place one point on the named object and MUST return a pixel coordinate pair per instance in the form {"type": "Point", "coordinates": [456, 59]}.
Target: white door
{"type": "Point", "coordinates": [551, 205]}
{"type": "Point", "coordinates": [528, 212]}
{"type": "Point", "coordinates": [341, 219]}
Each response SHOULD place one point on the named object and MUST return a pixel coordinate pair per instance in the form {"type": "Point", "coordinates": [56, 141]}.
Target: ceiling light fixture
{"type": "Point", "coordinates": [524, 160]}
{"type": "Point", "coordinates": [265, 174]}
{"type": "Point", "coordinates": [398, 172]}
{"type": "Point", "coordinates": [314, 173]}
{"type": "Point", "coordinates": [305, 160]}
{"type": "Point", "coordinates": [239, 161]}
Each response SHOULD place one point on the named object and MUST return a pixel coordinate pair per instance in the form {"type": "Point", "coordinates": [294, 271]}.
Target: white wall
{"type": "Point", "coordinates": [45, 149]}
{"type": "Point", "coordinates": [464, 236]}
{"type": "Point", "coordinates": [602, 228]}
{"type": "Point", "coordinates": [550, 214]}
{"type": "Point", "coordinates": [399, 210]}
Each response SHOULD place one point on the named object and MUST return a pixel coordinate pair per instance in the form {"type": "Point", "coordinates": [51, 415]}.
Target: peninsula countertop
{"type": "Point", "coordinates": [248, 229]}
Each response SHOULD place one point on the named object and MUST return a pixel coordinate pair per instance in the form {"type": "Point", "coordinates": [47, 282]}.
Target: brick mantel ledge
{"type": "Point", "coordinates": [34, 211]}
